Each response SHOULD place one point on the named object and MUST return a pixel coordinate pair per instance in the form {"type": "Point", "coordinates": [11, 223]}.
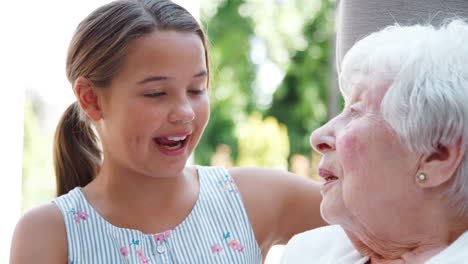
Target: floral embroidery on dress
{"type": "Point", "coordinates": [78, 215]}
{"type": "Point", "coordinates": [228, 184]}
{"type": "Point", "coordinates": [162, 237]}
{"type": "Point", "coordinates": [136, 244]}
{"type": "Point", "coordinates": [233, 243]}
{"type": "Point", "coordinates": [124, 251]}
{"type": "Point", "coordinates": [216, 249]}
{"type": "Point", "coordinates": [236, 245]}
{"type": "Point", "coordinates": [142, 257]}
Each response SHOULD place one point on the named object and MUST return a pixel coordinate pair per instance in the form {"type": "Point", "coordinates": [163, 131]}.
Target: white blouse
{"type": "Point", "coordinates": [331, 245]}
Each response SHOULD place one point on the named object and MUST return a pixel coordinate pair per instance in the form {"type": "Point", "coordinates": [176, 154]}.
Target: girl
{"type": "Point", "coordinates": [139, 70]}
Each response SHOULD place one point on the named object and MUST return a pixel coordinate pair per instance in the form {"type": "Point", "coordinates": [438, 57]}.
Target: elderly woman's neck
{"type": "Point", "coordinates": [428, 239]}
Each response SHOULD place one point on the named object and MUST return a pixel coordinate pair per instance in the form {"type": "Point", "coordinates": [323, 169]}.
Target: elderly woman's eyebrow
{"type": "Point", "coordinates": [353, 91]}
{"type": "Point", "coordinates": [347, 102]}
{"type": "Point", "coordinates": [354, 97]}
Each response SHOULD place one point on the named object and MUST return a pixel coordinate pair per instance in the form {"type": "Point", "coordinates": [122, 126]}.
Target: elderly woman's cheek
{"type": "Point", "coordinates": [352, 151]}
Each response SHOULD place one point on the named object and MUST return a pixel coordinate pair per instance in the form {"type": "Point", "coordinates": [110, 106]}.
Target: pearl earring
{"type": "Point", "coordinates": [422, 177]}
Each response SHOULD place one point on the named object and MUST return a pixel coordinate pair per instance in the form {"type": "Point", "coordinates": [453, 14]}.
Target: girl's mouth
{"type": "Point", "coordinates": [172, 145]}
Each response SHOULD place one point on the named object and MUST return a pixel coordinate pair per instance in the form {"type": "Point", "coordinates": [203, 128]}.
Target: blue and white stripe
{"type": "Point", "coordinates": [218, 218]}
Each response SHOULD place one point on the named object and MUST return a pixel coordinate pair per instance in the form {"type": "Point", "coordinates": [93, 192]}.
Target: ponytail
{"type": "Point", "coordinates": [77, 157]}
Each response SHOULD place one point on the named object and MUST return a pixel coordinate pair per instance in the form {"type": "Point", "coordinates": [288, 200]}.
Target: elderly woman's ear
{"type": "Point", "coordinates": [439, 166]}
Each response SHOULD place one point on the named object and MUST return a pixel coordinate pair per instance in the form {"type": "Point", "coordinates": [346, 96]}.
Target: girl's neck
{"type": "Point", "coordinates": [121, 199]}
{"type": "Point", "coordinates": [124, 183]}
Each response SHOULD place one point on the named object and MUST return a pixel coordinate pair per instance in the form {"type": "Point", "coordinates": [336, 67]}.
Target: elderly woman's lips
{"type": "Point", "coordinates": [326, 174]}
{"type": "Point", "coordinates": [330, 179]}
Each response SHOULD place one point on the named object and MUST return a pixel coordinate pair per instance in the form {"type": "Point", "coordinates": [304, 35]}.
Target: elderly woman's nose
{"type": "Point", "coordinates": [322, 140]}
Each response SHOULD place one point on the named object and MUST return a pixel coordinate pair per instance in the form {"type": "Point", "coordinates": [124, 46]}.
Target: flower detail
{"type": "Point", "coordinates": [124, 251]}
{"type": "Point", "coordinates": [216, 249]}
{"type": "Point", "coordinates": [142, 257]}
{"type": "Point", "coordinates": [228, 184]}
{"type": "Point", "coordinates": [78, 215]}
{"type": "Point", "coordinates": [135, 243]}
{"type": "Point", "coordinates": [83, 215]}
{"type": "Point", "coordinates": [233, 243]}
{"type": "Point", "coordinates": [162, 237]}
{"type": "Point", "coordinates": [77, 219]}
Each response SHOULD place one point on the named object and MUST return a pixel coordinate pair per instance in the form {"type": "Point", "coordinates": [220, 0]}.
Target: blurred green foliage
{"type": "Point", "coordinates": [232, 76]}
{"type": "Point", "coordinates": [37, 180]}
{"type": "Point", "coordinates": [301, 100]}
{"type": "Point", "coordinates": [263, 142]}
{"type": "Point", "coordinates": [297, 35]}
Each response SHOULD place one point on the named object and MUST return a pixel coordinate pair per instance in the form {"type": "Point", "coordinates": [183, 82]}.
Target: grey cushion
{"type": "Point", "coordinates": [358, 18]}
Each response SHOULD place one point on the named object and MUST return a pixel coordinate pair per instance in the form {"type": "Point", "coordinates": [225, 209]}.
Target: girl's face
{"type": "Point", "coordinates": [156, 108]}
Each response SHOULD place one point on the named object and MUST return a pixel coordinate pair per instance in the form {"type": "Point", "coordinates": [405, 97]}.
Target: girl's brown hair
{"type": "Point", "coordinates": [97, 52]}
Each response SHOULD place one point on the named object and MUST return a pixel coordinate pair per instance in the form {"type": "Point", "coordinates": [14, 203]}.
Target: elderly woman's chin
{"type": "Point", "coordinates": [332, 208]}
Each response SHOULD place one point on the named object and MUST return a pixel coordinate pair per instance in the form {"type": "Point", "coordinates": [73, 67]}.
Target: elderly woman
{"type": "Point", "coordinates": [395, 160]}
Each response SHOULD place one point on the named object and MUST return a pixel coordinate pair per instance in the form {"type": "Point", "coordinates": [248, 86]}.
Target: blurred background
{"type": "Point", "coordinates": [273, 83]}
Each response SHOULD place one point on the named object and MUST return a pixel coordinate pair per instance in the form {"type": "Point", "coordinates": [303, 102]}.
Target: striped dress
{"type": "Point", "coordinates": [216, 231]}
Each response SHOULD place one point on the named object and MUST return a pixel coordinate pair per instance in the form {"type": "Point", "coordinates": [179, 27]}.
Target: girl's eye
{"type": "Point", "coordinates": [197, 92]}
{"type": "Point", "coordinates": [152, 95]}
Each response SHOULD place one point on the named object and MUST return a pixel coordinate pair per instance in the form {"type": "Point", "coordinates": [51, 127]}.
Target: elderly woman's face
{"type": "Point", "coordinates": [369, 173]}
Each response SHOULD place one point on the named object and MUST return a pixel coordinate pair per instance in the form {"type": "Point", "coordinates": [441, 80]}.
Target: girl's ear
{"type": "Point", "coordinates": [88, 98]}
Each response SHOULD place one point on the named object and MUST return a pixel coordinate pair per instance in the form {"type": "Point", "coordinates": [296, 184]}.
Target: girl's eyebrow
{"type": "Point", "coordinates": [153, 79]}
{"type": "Point", "coordinates": [164, 78]}
{"type": "Point", "coordinates": [200, 74]}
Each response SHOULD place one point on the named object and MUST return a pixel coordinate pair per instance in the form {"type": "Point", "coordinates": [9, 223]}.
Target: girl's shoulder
{"type": "Point", "coordinates": [279, 203]}
{"type": "Point", "coordinates": [40, 236]}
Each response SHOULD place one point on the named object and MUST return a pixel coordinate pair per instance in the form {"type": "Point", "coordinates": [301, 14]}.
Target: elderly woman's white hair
{"type": "Point", "coordinates": [427, 101]}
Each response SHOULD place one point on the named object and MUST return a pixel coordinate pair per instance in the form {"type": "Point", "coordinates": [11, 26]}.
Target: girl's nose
{"type": "Point", "coordinates": [182, 113]}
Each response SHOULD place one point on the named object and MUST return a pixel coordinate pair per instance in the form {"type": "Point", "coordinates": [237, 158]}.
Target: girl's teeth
{"type": "Point", "coordinates": [172, 147]}
{"type": "Point", "coordinates": [177, 138]}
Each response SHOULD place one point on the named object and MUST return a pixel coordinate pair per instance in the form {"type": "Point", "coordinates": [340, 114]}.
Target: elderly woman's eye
{"type": "Point", "coordinates": [354, 111]}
